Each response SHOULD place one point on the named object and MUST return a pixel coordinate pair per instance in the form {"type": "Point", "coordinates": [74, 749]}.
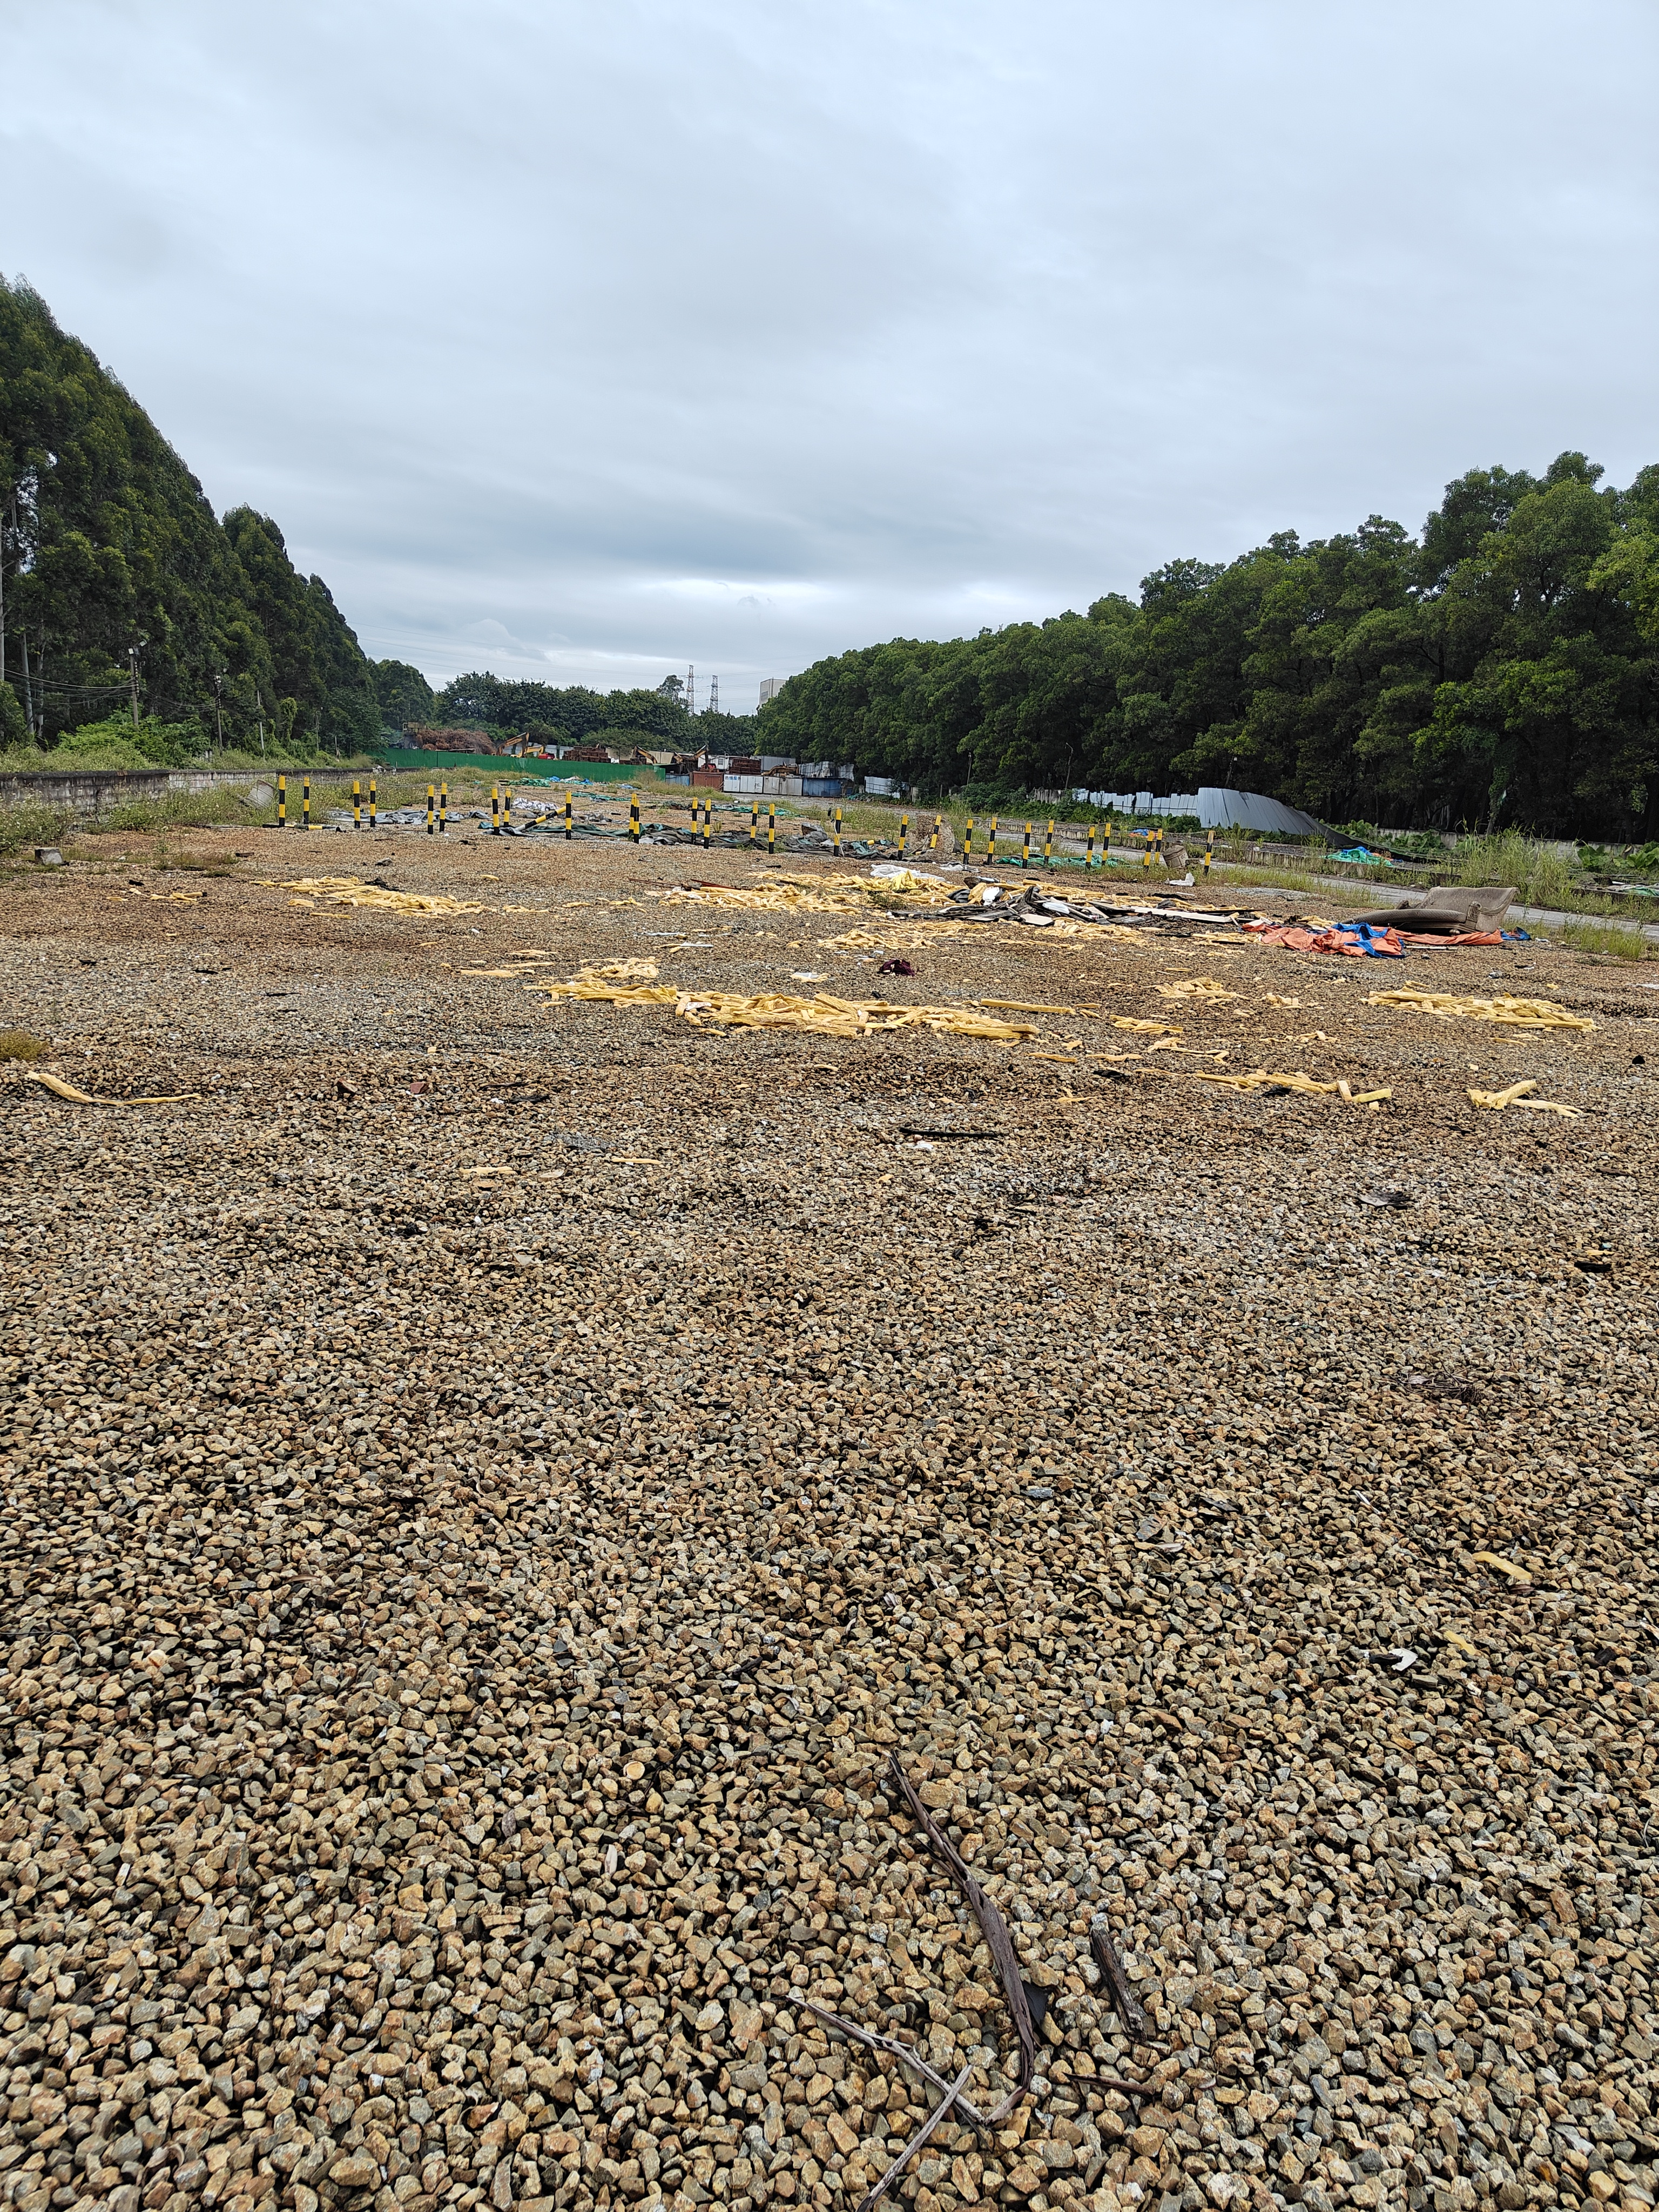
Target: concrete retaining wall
{"type": "Point", "coordinates": [94, 792]}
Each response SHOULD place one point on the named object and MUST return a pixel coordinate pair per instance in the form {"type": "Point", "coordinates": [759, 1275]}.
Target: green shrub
{"type": "Point", "coordinates": [115, 743]}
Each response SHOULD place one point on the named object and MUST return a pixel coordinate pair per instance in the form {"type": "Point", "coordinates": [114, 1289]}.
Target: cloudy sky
{"type": "Point", "coordinates": [588, 341]}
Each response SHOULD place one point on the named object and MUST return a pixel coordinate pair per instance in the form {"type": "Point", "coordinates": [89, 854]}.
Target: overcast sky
{"type": "Point", "coordinates": [588, 341]}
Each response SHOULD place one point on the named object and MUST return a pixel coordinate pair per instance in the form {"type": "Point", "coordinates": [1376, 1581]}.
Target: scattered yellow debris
{"type": "Point", "coordinates": [1270, 999]}
{"type": "Point", "coordinates": [1195, 987]}
{"type": "Point", "coordinates": [1503, 1566]}
{"type": "Point", "coordinates": [628, 1160]}
{"type": "Point", "coordinates": [1167, 1045]}
{"type": "Point", "coordinates": [1519, 1094]}
{"type": "Point", "coordinates": [617, 983]}
{"type": "Point", "coordinates": [1150, 1029]}
{"type": "Point", "coordinates": [352, 891]}
{"type": "Point", "coordinates": [1019, 1006]}
{"type": "Point", "coordinates": [823, 1015]}
{"type": "Point", "coordinates": [56, 1085]}
{"type": "Point", "coordinates": [826, 1016]}
{"type": "Point", "coordinates": [1461, 1644]}
{"type": "Point", "coordinates": [780, 894]}
{"type": "Point", "coordinates": [1513, 1013]}
{"type": "Point", "coordinates": [1306, 1086]}
{"type": "Point", "coordinates": [908, 937]}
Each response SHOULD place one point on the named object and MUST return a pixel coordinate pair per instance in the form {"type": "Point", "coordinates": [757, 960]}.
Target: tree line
{"type": "Point", "coordinates": [117, 577]}
{"type": "Point", "coordinates": [1502, 666]}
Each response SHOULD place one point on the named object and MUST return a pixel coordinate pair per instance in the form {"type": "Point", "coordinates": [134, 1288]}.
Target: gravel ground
{"type": "Point", "coordinates": [459, 1622]}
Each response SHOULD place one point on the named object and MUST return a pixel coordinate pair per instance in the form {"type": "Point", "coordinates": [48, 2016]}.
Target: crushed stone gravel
{"type": "Point", "coordinates": [489, 1485]}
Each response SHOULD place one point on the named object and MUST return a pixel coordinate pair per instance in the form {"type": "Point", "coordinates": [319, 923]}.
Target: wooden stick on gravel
{"type": "Point", "coordinates": [1128, 2007]}
{"type": "Point", "coordinates": [945, 2104]}
{"type": "Point", "coordinates": [903, 2051]}
{"type": "Point", "coordinates": [992, 1926]}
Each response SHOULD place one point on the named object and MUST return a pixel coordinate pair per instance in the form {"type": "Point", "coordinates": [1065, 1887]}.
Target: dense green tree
{"type": "Point", "coordinates": [1501, 666]}
{"type": "Point", "coordinates": [569, 713]}
{"type": "Point", "coordinates": [112, 564]}
{"type": "Point", "coordinates": [402, 693]}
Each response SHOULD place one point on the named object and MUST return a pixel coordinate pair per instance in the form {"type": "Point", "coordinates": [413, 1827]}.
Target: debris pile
{"type": "Point", "coordinates": [1508, 1013]}
{"type": "Point", "coordinates": [353, 891]}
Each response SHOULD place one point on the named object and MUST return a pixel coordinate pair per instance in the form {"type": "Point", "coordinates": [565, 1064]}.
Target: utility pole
{"type": "Point", "coordinates": [713, 695]}
{"type": "Point", "coordinates": [219, 706]}
{"type": "Point", "coordinates": [691, 690]}
{"type": "Point", "coordinates": [132, 671]}
{"type": "Point", "coordinates": [260, 704]}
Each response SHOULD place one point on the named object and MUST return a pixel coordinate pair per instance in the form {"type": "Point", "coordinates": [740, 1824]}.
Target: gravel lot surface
{"type": "Point", "coordinates": [458, 1622]}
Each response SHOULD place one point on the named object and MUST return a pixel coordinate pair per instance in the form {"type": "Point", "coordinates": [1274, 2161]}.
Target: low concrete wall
{"type": "Point", "coordinates": [94, 792]}
{"type": "Point", "coordinates": [210, 779]}
{"type": "Point", "coordinates": [89, 793]}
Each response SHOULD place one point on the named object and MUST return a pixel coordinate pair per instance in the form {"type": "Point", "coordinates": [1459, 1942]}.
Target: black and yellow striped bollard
{"type": "Point", "coordinates": [1089, 858]}
{"type": "Point", "coordinates": [991, 844]}
{"type": "Point", "coordinates": [357, 803]}
{"type": "Point", "coordinates": [431, 804]}
{"type": "Point", "coordinates": [373, 802]}
{"type": "Point", "coordinates": [754, 821]}
{"type": "Point", "coordinates": [838, 833]}
{"type": "Point", "coordinates": [506, 809]}
{"type": "Point", "coordinates": [967, 841]}
{"type": "Point", "coordinates": [904, 834]}
{"type": "Point", "coordinates": [707, 822]}
{"type": "Point", "coordinates": [281, 802]}
{"type": "Point", "coordinates": [634, 820]}
{"type": "Point", "coordinates": [771, 828]}
{"type": "Point", "coordinates": [1209, 851]}
{"type": "Point", "coordinates": [1147, 854]}
{"type": "Point", "coordinates": [443, 810]}
{"type": "Point", "coordinates": [567, 817]}
{"type": "Point", "coordinates": [495, 809]}
{"type": "Point", "coordinates": [305, 803]}
{"type": "Point", "coordinates": [1048, 846]}
{"type": "Point", "coordinates": [938, 826]}
{"type": "Point", "coordinates": [1106, 840]}
{"type": "Point", "coordinates": [1025, 848]}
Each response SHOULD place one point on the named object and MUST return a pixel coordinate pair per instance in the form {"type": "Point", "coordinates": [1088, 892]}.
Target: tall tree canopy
{"type": "Point", "coordinates": [402, 693]}
{"type": "Point", "coordinates": [570, 712]}
{"type": "Point", "coordinates": [111, 558]}
{"type": "Point", "coordinates": [1501, 665]}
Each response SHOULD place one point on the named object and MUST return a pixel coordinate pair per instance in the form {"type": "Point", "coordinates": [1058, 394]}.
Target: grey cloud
{"type": "Point", "coordinates": [738, 334]}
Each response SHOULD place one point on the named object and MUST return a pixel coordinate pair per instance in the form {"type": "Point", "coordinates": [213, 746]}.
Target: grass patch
{"type": "Point", "coordinates": [1543, 877]}
{"type": "Point", "coordinates": [1609, 939]}
{"type": "Point", "coordinates": [32, 825]}
{"type": "Point", "coordinates": [18, 1044]}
